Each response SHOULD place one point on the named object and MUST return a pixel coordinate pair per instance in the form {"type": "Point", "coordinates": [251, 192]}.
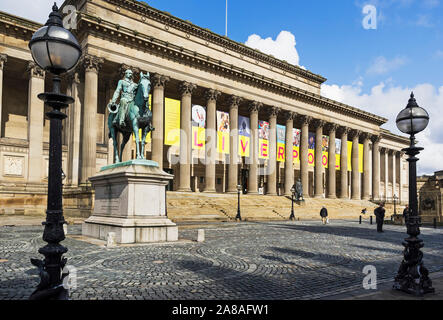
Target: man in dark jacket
{"type": "Point", "coordinates": [324, 215]}
{"type": "Point", "coordinates": [406, 214]}
{"type": "Point", "coordinates": [379, 217]}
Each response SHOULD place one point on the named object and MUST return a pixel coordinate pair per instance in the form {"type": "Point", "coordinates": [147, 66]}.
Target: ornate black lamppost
{"type": "Point", "coordinates": [57, 51]}
{"type": "Point", "coordinates": [238, 216]}
{"type": "Point", "coordinates": [412, 276]}
{"type": "Point", "coordinates": [292, 216]}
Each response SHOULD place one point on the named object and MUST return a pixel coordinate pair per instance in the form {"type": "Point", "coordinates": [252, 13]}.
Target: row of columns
{"type": "Point", "coordinates": [82, 146]}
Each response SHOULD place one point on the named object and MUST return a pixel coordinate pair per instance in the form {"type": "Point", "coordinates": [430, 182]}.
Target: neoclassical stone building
{"type": "Point", "coordinates": [189, 66]}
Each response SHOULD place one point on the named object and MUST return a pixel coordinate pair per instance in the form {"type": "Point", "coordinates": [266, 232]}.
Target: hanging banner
{"type": "Point", "coordinates": [263, 137]}
{"type": "Point", "coordinates": [360, 157]}
{"type": "Point", "coordinates": [244, 136]}
{"type": "Point", "coordinates": [296, 146]}
{"type": "Point", "coordinates": [172, 122]}
{"type": "Point", "coordinates": [223, 132]}
{"type": "Point", "coordinates": [281, 133]}
{"type": "Point", "coordinates": [325, 151]}
{"type": "Point", "coordinates": [311, 149]}
{"type": "Point", "coordinates": [337, 153]}
{"type": "Point", "coordinates": [198, 127]}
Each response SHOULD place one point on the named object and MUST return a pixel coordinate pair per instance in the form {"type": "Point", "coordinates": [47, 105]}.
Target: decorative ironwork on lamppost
{"type": "Point", "coordinates": [57, 51]}
{"type": "Point", "coordinates": [412, 276]}
{"type": "Point", "coordinates": [238, 216]}
{"type": "Point", "coordinates": [292, 216]}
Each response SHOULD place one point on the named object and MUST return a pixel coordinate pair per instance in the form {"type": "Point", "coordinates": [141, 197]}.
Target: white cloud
{"type": "Point", "coordinates": [283, 47]}
{"type": "Point", "coordinates": [387, 101]}
{"type": "Point", "coordinates": [381, 65]}
{"type": "Point", "coordinates": [35, 10]}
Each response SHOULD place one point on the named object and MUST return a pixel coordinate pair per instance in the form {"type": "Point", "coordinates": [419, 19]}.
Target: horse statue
{"type": "Point", "coordinates": [131, 114]}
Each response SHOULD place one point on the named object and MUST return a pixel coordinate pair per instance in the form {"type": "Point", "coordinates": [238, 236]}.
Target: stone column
{"type": "Point", "coordinates": [332, 192]}
{"type": "Point", "coordinates": [109, 142]}
{"type": "Point", "coordinates": [344, 163]}
{"type": "Point", "coordinates": [253, 167]}
{"type": "Point", "coordinates": [355, 188]}
{"type": "Point", "coordinates": [35, 123]}
{"type": "Point", "coordinates": [289, 157]}
{"type": "Point", "coordinates": [366, 167]}
{"type": "Point", "coordinates": [3, 60]}
{"type": "Point", "coordinates": [375, 167]}
{"type": "Point", "coordinates": [75, 115]}
{"type": "Point", "coordinates": [384, 165]}
{"type": "Point", "coordinates": [185, 89]}
{"type": "Point", "coordinates": [234, 102]}
{"type": "Point", "coordinates": [272, 163]}
{"type": "Point", "coordinates": [158, 99]}
{"type": "Point", "coordinates": [92, 66]}
{"type": "Point", "coordinates": [400, 177]}
{"type": "Point", "coordinates": [304, 166]}
{"type": "Point", "coordinates": [318, 169]}
{"type": "Point", "coordinates": [211, 139]}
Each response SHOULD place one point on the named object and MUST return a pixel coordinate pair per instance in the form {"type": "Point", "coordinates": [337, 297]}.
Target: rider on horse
{"type": "Point", "coordinates": [128, 89]}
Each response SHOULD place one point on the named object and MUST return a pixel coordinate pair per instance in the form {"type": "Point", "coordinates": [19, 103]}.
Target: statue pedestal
{"type": "Point", "coordinates": [130, 201]}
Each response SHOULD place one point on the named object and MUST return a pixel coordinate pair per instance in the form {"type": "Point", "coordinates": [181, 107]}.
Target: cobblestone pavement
{"type": "Point", "coordinates": [249, 260]}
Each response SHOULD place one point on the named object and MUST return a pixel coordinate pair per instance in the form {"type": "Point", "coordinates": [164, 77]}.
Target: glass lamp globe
{"type": "Point", "coordinates": [239, 187]}
{"type": "Point", "coordinates": [412, 119]}
{"type": "Point", "coordinates": [293, 189]}
{"type": "Point", "coordinates": [53, 47]}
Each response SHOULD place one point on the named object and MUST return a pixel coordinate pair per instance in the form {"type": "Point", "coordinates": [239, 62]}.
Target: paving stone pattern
{"type": "Point", "coordinates": [249, 260]}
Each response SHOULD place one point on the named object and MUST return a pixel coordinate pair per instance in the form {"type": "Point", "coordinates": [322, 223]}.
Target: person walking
{"type": "Point", "coordinates": [406, 214]}
{"type": "Point", "coordinates": [380, 216]}
{"type": "Point", "coordinates": [324, 215]}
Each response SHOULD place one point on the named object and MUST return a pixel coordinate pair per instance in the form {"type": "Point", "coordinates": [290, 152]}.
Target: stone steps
{"type": "Point", "coordinates": [223, 207]}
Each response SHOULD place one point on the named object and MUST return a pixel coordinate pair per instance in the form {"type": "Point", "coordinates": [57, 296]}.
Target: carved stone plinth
{"type": "Point", "coordinates": [130, 201]}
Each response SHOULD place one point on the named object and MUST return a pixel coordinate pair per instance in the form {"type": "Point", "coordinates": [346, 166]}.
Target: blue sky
{"type": "Point", "coordinates": [374, 70]}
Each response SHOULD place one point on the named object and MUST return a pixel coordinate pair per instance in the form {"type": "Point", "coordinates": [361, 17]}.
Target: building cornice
{"type": "Point", "coordinates": [171, 21]}
{"type": "Point", "coordinates": [89, 24]}
{"type": "Point", "coordinates": [388, 135]}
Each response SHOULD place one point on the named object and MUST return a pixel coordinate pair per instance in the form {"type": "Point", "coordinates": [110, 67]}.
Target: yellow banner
{"type": "Point", "coordinates": [198, 138]}
{"type": "Point", "coordinates": [263, 149]}
{"type": "Point", "coordinates": [296, 154]}
{"type": "Point", "coordinates": [280, 152]}
{"type": "Point", "coordinates": [172, 122]}
{"type": "Point", "coordinates": [223, 142]}
{"type": "Point", "coordinates": [360, 157]}
{"type": "Point", "coordinates": [243, 146]}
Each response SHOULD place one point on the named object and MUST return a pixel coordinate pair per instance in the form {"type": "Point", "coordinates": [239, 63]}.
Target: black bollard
{"type": "Point", "coordinates": [360, 220]}
{"type": "Point", "coordinates": [370, 219]}
{"type": "Point", "coordinates": [435, 223]}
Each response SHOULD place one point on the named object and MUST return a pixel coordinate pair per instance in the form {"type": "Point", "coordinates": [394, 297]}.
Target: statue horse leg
{"type": "Point", "coordinates": [113, 136]}
{"type": "Point", "coordinates": [126, 136]}
{"type": "Point", "coordinates": [145, 132]}
{"type": "Point", "coordinates": [135, 130]}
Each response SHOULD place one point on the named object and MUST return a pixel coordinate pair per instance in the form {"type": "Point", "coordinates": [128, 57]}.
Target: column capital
{"type": "Point", "coordinates": [331, 127]}
{"type": "Point", "coordinates": [73, 77]}
{"type": "Point", "coordinates": [35, 71]}
{"type": "Point", "coordinates": [355, 133]}
{"type": "Point", "coordinates": [234, 101]}
{"type": "Point", "coordinates": [212, 94]}
{"type": "Point", "coordinates": [3, 60]}
{"type": "Point", "coordinates": [158, 80]}
{"type": "Point", "coordinates": [306, 120]}
{"type": "Point", "coordinates": [375, 138]}
{"type": "Point", "coordinates": [383, 150]}
{"type": "Point", "coordinates": [255, 106]}
{"type": "Point", "coordinates": [273, 112]}
{"type": "Point", "coordinates": [318, 123]}
{"type": "Point", "coordinates": [290, 115]}
{"type": "Point", "coordinates": [124, 67]}
{"type": "Point", "coordinates": [391, 152]}
{"type": "Point", "coordinates": [365, 136]}
{"type": "Point", "coordinates": [186, 88]}
{"type": "Point", "coordinates": [344, 130]}
{"type": "Point", "coordinates": [92, 63]}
